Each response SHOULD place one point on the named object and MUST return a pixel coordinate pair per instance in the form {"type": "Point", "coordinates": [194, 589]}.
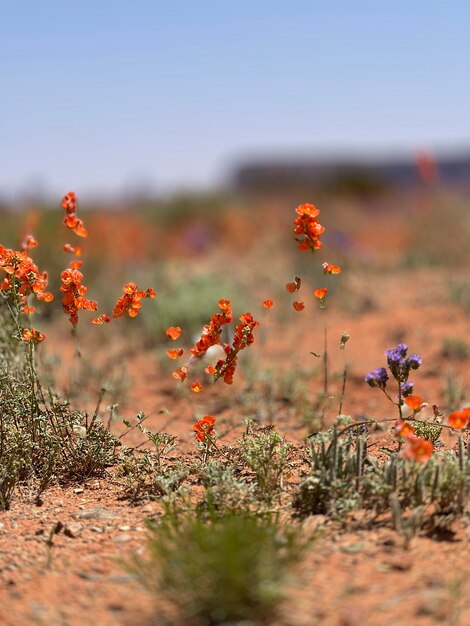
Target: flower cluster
{"type": "Point", "coordinates": [204, 428]}
{"type": "Point", "coordinates": [377, 378]}
{"type": "Point", "coordinates": [307, 225]}
{"type": "Point", "coordinates": [212, 331]}
{"type": "Point", "coordinates": [32, 335]}
{"type": "Point", "coordinates": [23, 277]}
{"type": "Point", "coordinates": [74, 295]}
{"type": "Point", "coordinates": [400, 366]}
{"type": "Point", "coordinates": [211, 336]}
{"type": "Point", "coordinates": [130, 302]}
{"type": "Point", "coordinates": [225, 368]}
{"type": "Point", "coordinates": [69, 203]}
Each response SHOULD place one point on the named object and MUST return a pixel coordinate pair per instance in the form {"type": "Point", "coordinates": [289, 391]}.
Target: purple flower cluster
{"type": "Point", "coordinates": [377, 378]}
{"type": "Point", "coordinates": [399, 365]}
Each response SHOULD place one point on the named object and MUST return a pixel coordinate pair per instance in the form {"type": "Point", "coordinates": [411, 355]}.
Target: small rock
{"type": "Point", "coordinates": [352, 548]}
{"type": "Point", "coordinates": [97, 529]}
{"type": "Point", "coordinates": [399, 564]}
{"type": "Point", "coordinates": [98, 513]}
{"type": "Point", "coordinates": [124, 528]}
{"type": "Point", "coordinates": [122, 538]}
{"type": "Point", "coordinates": [89, 576]}
{"type": "Point", "coordinates": [148, 508]}
{"type": "Point", "coordinates": [73, 530]}
{"type": "Point", "coordinates": [120, 578]}
{"type": "Point", "coordinates": [79, 490]}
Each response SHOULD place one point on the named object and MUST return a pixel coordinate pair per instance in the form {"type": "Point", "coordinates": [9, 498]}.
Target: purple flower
{"type": "Point", "coordinates": [377, 378]}
{"type": "Point", "coordinates": [413, 361]}
{"type": "Point", "coordinates": [406, 389]}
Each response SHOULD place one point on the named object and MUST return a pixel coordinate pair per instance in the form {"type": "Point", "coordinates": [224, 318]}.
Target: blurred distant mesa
{"type": "Point", "coordinates": [352, 174]}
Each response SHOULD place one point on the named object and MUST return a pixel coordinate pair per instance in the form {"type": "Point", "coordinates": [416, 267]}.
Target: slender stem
{"type": "Point", "coordinates": [97, 409]}
{"type": "Point", "coordinates": [343, 388]}
{"type": "Point", "coordinates": [325, 360]}
{"type": "Point", "coordinates": [400, 400]}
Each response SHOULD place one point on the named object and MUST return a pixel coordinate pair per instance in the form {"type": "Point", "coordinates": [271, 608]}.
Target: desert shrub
{"type": "Point", "coordinates": [225, 570]}
{"type": "Point", "coordinates": [41, 437]}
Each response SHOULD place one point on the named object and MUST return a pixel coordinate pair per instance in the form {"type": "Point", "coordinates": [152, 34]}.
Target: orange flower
{"type": "Point", "coordinates": [210, 369]}
{"type": "Point", "coordinates": [295, 286]}
{"type": "Point", "coordinates": [45, 296]}
{"type": "Point", "coordinates": [224, 305]}
{"type": "Point", "coordinates": [101, 319]}
{"type": "Point", "coordinates": [417, 449]}
{"type": "Point", "coordinates": [403, 429]}
{"type": "Point", "coordinates": [29, 242]}
{"type": "Point", "coordinates": [32, 335]}
{"type": "Point", "coordinates": [173, 332]}
{"type": "Point", "coordinates": [75, 224]}
{"type": "Point", "coordinates": [181, 373]}
{"type": "Point", "coordinates": [204, 428]}
{"type": "Point", "coordinates": [175, 354]}
{"type": "Point", "coordinates": [268, 304]}
{"type": "Point", "coordinates": [73, 249]}
{"type": "Point", "coordinates": [69, 202]}
{"type": "Point", "coordinates": [328, 268]}
{"type": "Point", "coordinates": [75, 265]}
{"type": "Point", "coordinates": [320, 293]}
{"type": "Point", "coordinates": [415, 403]}
{"type": "Point", "coordinates": [196, 387]}
{"type": "Point", "coordinates": [307, 209]}
{"type": "Point", "coordinates": [298, 306]}
{"type": "Point", "coordinates": [459, 419]}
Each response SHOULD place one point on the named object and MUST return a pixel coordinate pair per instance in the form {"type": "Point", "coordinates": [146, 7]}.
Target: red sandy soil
{"type": "Point", "coordinates": [365, 577]}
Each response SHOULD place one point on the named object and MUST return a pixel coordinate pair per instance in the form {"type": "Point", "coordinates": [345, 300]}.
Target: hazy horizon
{"type": "Point", "coordinates": [107, 97]}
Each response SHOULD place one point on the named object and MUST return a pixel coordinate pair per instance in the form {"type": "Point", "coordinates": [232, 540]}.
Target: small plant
{"type": "Point", "coordinates": [460, 294]}
{"type": "Point", "coordinates": [454, 391]}
{"type": "Point", "coordinates": [337, 465]}
{"type": "Point", "coordinates": [266, 453]}
{"type": "Point", "coordinates": [224, 493]}
{"type": "Point", "coordinates": [149, 473]}
{"type": "Point", "coordinates": [456, 349]}
{"type": "Point", "coordinates": [223, 571]}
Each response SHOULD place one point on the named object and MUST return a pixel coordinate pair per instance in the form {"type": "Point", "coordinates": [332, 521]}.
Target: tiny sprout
{"type": "Point", "coordinates": [344, 339]}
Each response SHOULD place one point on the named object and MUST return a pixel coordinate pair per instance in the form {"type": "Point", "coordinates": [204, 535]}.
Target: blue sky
{"type": "Point", "coordinates": [101, 95]}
